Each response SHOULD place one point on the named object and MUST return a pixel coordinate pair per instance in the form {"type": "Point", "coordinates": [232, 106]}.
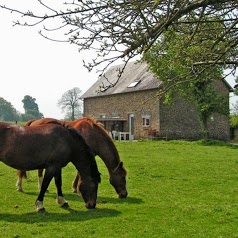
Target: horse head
{"type": "Point", "coordinates": [118, 180]}
{"type": "Point", "coordinates": [88, 188]}
{"type": "Point", "coordinates": [88, 185]}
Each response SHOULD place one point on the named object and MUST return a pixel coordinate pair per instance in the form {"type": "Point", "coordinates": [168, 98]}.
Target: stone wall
{"type": "Point", "coordinates": [180, 121]}
{"type": "Point", "coordinates": [177, 121]}
{"type": "Point", "coordinates": [138, 103]}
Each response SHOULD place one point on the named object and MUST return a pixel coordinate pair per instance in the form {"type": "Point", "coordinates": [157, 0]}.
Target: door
{"type": "Point", "coordinates": [131, 126]}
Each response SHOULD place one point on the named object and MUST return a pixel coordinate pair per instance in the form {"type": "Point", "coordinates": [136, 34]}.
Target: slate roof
{"type": "Point", "coordinates": [133, 72]}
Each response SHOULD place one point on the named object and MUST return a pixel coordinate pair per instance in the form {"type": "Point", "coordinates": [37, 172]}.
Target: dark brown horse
{"type": "Point", "coordinates": [100, 143]}
{"type": "Point", "coordinates": [50, 147]}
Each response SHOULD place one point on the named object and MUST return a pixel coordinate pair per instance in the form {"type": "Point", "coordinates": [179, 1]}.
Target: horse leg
{"type": "Point", "coordinates": [49, 174]}
{"type": "Point", "coordinates": [40, 178]}
{"type": "Point", "coordinates": [20, 174]}
{"type": "Point", "coordinates": [58, 183]}
{"type": "Point", "coordinates": [75, 184]}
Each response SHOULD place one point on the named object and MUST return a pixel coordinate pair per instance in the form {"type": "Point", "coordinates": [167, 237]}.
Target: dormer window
{"type": "Point", "coordinates": [133, 84]}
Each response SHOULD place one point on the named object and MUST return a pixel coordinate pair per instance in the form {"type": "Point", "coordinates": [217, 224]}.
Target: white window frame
{"type": "Point", "coordinates": [102, 115]}
{"type": "Point", "coordinates": [146, 120]}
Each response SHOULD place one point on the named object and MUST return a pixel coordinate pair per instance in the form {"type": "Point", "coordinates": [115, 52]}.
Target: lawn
{"type": "Point", "coordinates": [176, 189]}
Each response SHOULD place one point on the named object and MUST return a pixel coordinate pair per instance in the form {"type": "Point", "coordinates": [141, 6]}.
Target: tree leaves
{"type": "Point", "coordinates": [7, 111]}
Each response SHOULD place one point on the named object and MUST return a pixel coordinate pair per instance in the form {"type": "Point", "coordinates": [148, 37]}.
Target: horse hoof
{"type": "Point", "coordinates": [39, 206]}
{"type": "Point", "coordinates": [42, 210]}
{"type": "Point", "coordinates": [62, 202]}
{"type": "Point", "coordinates": [75, 190]}
{"type": "Point", "coordinates": [65, 205]}
{"type": "Point", "coordinates": [19, 190]}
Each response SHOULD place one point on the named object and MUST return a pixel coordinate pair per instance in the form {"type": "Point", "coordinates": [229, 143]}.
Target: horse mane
{"type": "Point", "coordinates": [57, 122]}
{"type": "Point", "coordinates": [28, 123]}
{"type": "Point", "coordinates": [92, 122]}
{"type": "Point", "coordinates": [75, 134]}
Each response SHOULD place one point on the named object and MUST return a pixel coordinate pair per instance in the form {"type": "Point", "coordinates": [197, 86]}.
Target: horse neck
{"type": "Point", "coordinates": [107, 150]}
{"type": "Point", "coordinates": [108, 153]}
{"type": "Point", "coordinates": [103, 146]}
{"type": "Point", "coordinates": [99, 141]}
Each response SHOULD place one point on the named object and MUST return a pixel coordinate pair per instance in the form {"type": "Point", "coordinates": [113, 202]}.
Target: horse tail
{"type": "Point", "coordinates": [22, 174]}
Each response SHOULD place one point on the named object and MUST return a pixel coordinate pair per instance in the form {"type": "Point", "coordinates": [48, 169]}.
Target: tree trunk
{"type": "Point", "coordinates": [72, 115]}
{"type": "Point", "coordinates": [204, 127]}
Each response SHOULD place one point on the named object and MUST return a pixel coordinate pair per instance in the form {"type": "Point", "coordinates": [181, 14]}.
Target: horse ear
{"type": "Point", "coordinates": [121, 164]}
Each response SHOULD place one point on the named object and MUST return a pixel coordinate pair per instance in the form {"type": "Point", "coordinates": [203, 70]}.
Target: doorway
{"type": "Point", "coordinates": [131, 126]}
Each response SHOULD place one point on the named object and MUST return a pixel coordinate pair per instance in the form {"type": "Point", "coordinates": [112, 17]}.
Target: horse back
{"type": "Point", "coordinates": [29, 148]}
{"type": "Point", "coordinates": [44, 121]}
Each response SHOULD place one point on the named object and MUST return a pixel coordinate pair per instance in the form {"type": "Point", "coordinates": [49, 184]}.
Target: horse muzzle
{"type": "Point", "coordinates": [123, 194]}
{"type": "Point", "coordinates": [90, 205]}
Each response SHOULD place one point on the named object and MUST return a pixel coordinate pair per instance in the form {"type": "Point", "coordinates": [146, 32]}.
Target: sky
{"type": "Point", "coordinates": [43, 69]}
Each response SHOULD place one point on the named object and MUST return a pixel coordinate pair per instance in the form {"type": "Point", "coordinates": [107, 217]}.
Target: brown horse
{"type": "Point", "coordinates": [100, 143]}
{"type": "Point", "coordinates": [50, 147]}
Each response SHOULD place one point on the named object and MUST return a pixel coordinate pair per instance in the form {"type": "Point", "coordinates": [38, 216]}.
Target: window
{"type": "Point", "coordinates": [102, 116]}
{"type": "Point", "coordinates": [133, 84]}
{"type": "Point", "coordinates": [146, 120]}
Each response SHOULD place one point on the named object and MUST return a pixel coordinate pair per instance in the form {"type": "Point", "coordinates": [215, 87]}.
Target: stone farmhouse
{"type": "Point", "coordinates": [132, 109]}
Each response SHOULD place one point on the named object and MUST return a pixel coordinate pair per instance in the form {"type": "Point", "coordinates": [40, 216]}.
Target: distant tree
{"type": "Point", "coordinates": [71, 102]}
{"type": "Point", "coordinates": [7, 111]}
{"type": "Point", "coordinates": [31, 109]}
{"type": "Point", "coordinates": [29, 104]}
{"type": "Point", "coordinates": [77, 114]}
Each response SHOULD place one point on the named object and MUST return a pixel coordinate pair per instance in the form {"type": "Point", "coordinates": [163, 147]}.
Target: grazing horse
{"type": "Point", "coordinates": [50, 147]}
{"type": "Point", "coordinates": [100, 143]}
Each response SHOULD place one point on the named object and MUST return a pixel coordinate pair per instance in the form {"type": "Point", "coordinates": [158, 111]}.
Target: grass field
{"type": "Point", "coordinates": [176, 189]}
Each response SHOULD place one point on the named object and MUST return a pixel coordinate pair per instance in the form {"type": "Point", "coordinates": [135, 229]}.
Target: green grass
{"type": "Point", "coordinates": [176, 189]}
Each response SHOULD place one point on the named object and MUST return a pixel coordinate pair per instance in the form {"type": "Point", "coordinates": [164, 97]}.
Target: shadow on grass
{"type": "Point", "coordinates": [129, 200]}
{"type": "Point", "coordinates": [72, 215]}
{"type": "Point", "coordinates": [76, 197]}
